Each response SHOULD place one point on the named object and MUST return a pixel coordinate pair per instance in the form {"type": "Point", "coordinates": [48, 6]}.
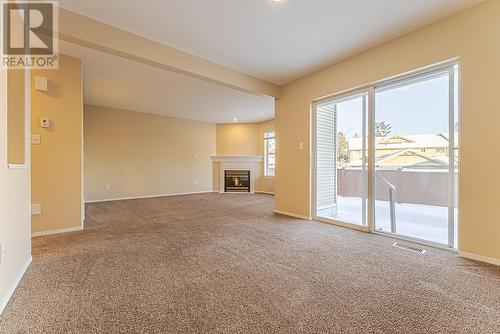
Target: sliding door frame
{"type": "Point", "coordinates": [369, 89]}
{"type": "Point", "coordinates": [368, 94]}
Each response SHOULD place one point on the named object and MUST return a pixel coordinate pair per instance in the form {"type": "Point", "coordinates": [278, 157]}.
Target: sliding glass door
{"type": "Point", "coordinates": [416, 157]}
{"type": "Point", "coordinates": [341, 159]}
{"type": "Point", "coordinates": [386, 158]}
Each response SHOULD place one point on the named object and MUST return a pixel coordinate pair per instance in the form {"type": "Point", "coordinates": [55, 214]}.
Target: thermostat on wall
{"type": "Point", "coordinates": [41, 83]}
{"type": "Point", "coordinates": [45, 122]}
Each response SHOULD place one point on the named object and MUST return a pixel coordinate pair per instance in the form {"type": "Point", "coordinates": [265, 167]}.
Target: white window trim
{"type": "Point", "coordinates": [272, 136]}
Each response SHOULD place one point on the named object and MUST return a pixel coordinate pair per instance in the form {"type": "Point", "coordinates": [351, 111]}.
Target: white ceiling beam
{"type": "Point", "coordinates": [93, 34]}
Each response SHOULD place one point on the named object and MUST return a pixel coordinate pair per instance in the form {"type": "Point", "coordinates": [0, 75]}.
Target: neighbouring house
{"type": "Point", "coordinates": [421, 151]}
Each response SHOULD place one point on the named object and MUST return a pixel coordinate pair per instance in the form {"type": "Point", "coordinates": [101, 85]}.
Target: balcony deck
{"type": "Point", "coordinates": [420, 221]}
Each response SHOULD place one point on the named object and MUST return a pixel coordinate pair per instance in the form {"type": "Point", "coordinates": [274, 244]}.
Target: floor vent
{"type": "Point", "coordinates": [409, 247]}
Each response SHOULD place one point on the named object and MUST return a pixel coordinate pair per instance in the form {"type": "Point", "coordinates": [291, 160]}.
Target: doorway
{"type": "Point", "coordinates": [386, 157]}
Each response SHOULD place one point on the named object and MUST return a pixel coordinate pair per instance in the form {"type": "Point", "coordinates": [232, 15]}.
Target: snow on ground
{"type": "Point", "coordinates": [425, 222]}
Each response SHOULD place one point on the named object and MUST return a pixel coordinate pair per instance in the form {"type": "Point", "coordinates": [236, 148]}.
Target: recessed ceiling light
{"type": "Point", "coordinates": [235, 120]}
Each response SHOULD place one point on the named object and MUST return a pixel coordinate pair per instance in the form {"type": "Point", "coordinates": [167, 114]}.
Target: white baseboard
{"type": "Point", "coordinates": [10, 292]}
{"type": "Point", "coordinates": [148, 196]}
{"type": "Point", "coordinates": [292, 214]}
{"type": "Point", "coordinates": [264, 192]}
{"type": "Point", "coordinates": [481, 258]}
{"type": "Point", "coordinates": [57, 231]}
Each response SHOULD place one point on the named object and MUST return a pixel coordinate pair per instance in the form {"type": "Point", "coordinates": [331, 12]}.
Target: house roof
{"type": "Point", "coordinates": [394, 160]}
{"type": "Point", "coordinates": [401, 142]}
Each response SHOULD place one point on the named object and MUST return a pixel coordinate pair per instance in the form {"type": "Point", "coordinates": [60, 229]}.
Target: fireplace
{"type": "Point", "coordinates": [237, 181]}
{"type": "Point", "coordinates": [245, 167]}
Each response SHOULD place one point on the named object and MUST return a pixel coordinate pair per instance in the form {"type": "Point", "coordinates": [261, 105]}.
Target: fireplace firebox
{"type": "Point", "coordinates": [237, 181]}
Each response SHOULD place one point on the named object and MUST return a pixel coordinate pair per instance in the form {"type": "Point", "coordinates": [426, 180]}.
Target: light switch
{"type": "Point", "coordinates": [301, 146]}
{"type": "Point", "coordinates": [36, 139]}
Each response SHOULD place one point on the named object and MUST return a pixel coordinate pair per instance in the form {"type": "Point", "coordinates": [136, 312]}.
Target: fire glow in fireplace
{"type": "Point", "coordinates": [237, 181]}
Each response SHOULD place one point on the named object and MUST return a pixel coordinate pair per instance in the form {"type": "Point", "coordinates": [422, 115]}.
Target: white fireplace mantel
{"type": "Point", "coordinates": [239, 158]}
{"type": "Point", "coordinates": [243, 162]}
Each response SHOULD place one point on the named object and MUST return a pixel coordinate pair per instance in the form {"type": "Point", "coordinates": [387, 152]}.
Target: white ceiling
{"type": "Point", "coordinates": [117, 82]}
{"type": "Point", "coordinates": [275, 41]}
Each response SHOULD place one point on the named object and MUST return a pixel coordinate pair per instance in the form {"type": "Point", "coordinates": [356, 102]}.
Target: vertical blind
{"type": "Point", "coordinates": [326, 164]}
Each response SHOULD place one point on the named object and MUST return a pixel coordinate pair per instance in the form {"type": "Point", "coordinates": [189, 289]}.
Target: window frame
{"type": "Point", "coordinates": [268, 137]}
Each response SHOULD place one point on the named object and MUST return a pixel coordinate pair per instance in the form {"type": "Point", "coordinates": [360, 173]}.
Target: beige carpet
{"type": "Point", "coordinates": [226, 264]}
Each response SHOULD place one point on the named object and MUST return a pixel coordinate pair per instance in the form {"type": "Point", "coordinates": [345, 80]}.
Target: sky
{"type": "Point", "coordinates": [420, 108]}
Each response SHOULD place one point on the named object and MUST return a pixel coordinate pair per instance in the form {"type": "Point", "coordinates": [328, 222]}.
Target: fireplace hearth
{"type": "Point", "coordinates": [237, 181]}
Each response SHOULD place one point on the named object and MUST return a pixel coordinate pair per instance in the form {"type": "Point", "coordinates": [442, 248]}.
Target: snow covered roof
{"type": "Point", "coordinates": [405, 141]}
{"type": "Point", "coordinates": [418, 160]}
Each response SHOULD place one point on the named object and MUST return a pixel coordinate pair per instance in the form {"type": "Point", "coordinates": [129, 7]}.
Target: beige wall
{"type": "Point", "coordinates": [139, 154]}
{"type": "Point", "coordinates": [16, 116]}
{"type": "Point", "coordinates": [244, 139]}
{"type": "Point", "coordinates": [238, 139]}
{"type": "Point", "coordinates": [15, 234]}
{"type": "Point", "coordinates": [471, 35]}
{"type": "Point", "coordinates": [57, 162]}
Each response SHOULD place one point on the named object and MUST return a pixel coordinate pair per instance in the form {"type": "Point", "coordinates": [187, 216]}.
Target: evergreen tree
{"type": "Point", "coordinates": [382, 129]}
{"type": "Point", "coordinates": [343, 157]}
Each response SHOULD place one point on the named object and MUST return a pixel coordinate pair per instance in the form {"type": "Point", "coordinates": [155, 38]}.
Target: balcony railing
{"type": "Point", "coordinates": [392, 205]}
{"type": "Point", "coordinates": [427, 187]}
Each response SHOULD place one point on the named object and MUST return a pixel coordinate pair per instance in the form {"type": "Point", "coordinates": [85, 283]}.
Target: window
{"type": "Point", "coordinates": [425, 183]}
{"type": "Point", "coordinates": [269, 153]}
{"type": "Point", "coordinates": [341, 126]}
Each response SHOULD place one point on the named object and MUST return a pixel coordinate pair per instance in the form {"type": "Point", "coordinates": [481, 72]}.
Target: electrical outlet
{"type": "Point", "coordinates": [36, 209]}
{"type": "Point", "coordinates": [107, 187]}
{"type": "Point", "coordinates": [36, 139]}
{"type": "Point", "coordinates": [3, 253]}
{"type": "Point", "coordinates": [196, 181]}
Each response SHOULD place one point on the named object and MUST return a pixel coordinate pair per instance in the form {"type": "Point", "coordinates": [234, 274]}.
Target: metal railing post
{"type": "Point", "coordinates": [392, 207]}
{"type": "Point", "coordinates": [392, 204]}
